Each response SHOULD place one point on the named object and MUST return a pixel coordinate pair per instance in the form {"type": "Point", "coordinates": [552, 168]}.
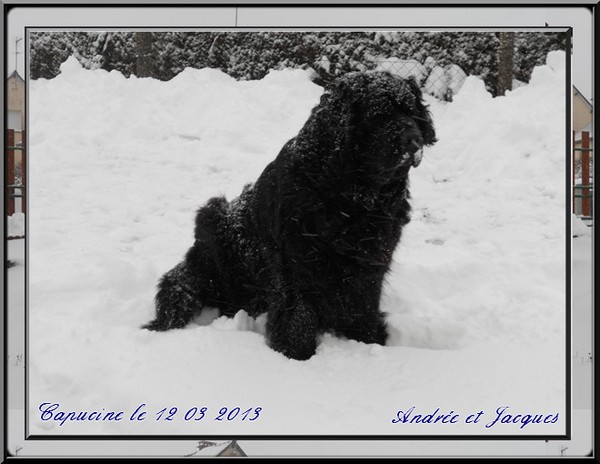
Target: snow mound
{"type": "Point", "coordinates": [70, 67]}
{"type": "Point", "coordinates": [578, 227]}
{"type": "Point", "coordinates": [445, 82]}
{"type": "Point", "coordinates": [404, 69]}
{"type": "Point", "coordinates": [556, 61]}
{"type": "Point", "coordinates": [16, 225]}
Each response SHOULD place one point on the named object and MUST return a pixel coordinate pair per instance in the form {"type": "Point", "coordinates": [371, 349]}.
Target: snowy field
{"type": "Point", "coordinates": [475, 301]}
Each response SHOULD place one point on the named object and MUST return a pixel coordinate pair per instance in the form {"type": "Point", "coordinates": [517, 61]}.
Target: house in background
{"type": "Point", "coordinates": [15, 93]}
{"type": "Point", "coordinates": [232, 449]}
{"type": "Point", "coordinates": [15, 112]}
{"type": "Point", "coordinates": [583, 188]}
{"type": "Point", "coordinates": [218, 449]}
{"type": "Point", "coordinates": [583, 112]}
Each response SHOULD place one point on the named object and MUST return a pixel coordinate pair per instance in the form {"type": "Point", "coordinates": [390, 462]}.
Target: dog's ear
{"type": "Point", "coordinates": [412, 82]}
{"type": "Point", "coordinates": [350, 89]}
{"type": "Point", "coordinates": [342, 103]}
{"type": "Point", "coordinates": [422, 115]}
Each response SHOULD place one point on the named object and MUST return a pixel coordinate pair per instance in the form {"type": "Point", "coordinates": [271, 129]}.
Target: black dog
{"type": "Point", "coordinates": [311, 241]}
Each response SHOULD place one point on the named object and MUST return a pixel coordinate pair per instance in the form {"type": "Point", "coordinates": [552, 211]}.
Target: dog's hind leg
{"type": "Point", "coordinates": [176, 301]}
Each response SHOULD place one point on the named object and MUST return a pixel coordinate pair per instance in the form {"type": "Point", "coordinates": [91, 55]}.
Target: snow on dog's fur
{"type": "Point", "coordinates": [310, 242]}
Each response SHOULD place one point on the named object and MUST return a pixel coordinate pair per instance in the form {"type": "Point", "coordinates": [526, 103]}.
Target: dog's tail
{"type": "Point", "coordinates": [195, 282]}
{"type": "Point", "coordinates": [176, 300]}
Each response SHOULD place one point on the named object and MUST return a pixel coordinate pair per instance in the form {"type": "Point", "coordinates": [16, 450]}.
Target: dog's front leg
{"type": "Point", "coordinates": [291, 324]}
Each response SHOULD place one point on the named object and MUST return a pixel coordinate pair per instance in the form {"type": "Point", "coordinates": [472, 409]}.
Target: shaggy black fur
{"type": "Point", "coordinates": [311, 241]}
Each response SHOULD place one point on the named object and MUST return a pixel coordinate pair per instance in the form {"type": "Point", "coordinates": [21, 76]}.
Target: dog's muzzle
{"type": "Point", "coordinates": [418, 154]}
{"type": "Point", "coordinates": [417, 157]}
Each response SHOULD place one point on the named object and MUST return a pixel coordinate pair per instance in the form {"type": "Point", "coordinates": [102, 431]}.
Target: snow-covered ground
{"type": "Point", "coordinates": [475, 300]}
{"type": "Point", "coordinates": [578, 445]}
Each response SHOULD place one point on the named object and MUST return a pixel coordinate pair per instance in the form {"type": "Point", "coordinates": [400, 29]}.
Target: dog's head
{"type": "Point", "coordinates": [377, 118]}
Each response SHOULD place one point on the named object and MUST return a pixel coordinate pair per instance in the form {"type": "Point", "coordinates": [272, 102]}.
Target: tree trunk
{"type": "Point", "coordinates": [505, 62]}
{"type": "Point", "coordinates": [144, 62]}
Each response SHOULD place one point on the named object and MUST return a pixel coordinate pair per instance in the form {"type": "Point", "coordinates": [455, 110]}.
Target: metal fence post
{"type": "Point", "coordinates": [574, 188]}
{"type": "Point", "coordinates": [586, 209]}
{"type": "Point", "coordinates": [23, 172]}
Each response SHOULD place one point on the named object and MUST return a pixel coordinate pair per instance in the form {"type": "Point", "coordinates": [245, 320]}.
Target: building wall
{"type": "Point", "coordinates": [582, 112]}
{"type": "Point", "coordinates": [15, 104]}
{"type": "Point", "coordinates": [15, 89]}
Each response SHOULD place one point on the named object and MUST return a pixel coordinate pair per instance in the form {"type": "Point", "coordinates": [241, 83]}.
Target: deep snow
{"type": "Point", "coordinates": [475, 300]}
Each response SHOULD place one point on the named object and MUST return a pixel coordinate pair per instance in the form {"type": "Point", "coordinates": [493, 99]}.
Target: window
{"type": "Point", "coordinates": [14, 120]}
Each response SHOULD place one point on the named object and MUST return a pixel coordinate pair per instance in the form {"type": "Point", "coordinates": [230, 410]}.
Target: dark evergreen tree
{"type": "Point", "coordinates": [47, 51]}
{"type": "Point", "coordinates": [118, 53]}
{"type": "Point", "coordinates": [531, 49]}
{"type": "Point", "coordinates": [251, 55]}
{"type": "Point", "coordinates": [105, 50]}
{"type": "Point", "coordinates": [175, 51]}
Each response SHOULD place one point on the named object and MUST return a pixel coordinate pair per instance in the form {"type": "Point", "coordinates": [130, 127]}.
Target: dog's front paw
{"type": "Point", "coordinates": [292, 330]}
